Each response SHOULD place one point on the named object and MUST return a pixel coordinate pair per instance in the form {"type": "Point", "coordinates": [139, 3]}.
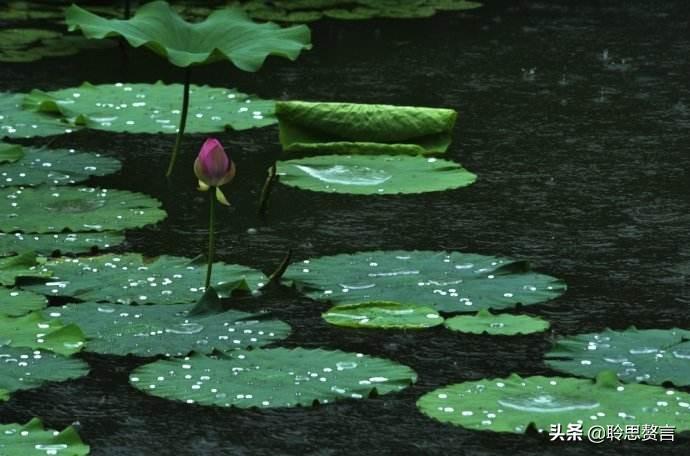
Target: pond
{"type": "Point", "coordinates": [575, 118]}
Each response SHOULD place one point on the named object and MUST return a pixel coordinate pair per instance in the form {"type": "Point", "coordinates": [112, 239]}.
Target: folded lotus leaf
{"type": "Point", "coordinates": [15, 302]}
{"type": "Point", "coordinates": [22, 265]}
{"type": "Point", "coordinates": [10, 153]}
{"type": "Point", "coordinates": [350, 128]}
{"type": "Point", "coordinates": [28, 368]}
{"type": "Point", "coordinates": [37, 332]}
{"type": "Point", "coordinates": [33, 439]}
{"type": "Point", "coordinates": [225, 34]}
{"type": "Point", "coordinates": [16, 122]}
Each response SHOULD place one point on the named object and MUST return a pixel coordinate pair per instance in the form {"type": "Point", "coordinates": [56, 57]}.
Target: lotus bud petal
{"type": "Point", "coordinates": [212, 166]}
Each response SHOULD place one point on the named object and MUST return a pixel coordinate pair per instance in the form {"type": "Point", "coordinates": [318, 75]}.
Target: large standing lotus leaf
{"type": "Point", "coordinates": [386, 315]}
{"type": "Point", "coordinates": [16, 122]}
{"type": "Point", "coordinates": [484, 322]}
{"type": "Point", "coordinates": [15, 302]}
{"type": "Point", "coordinates": [225, 34]}
{"type": "Point", "coordinates": [47, 244]}
{"type": "Point", "coordinates": [55, 166]}
{"type": "Point", "coordinates": [447, 281]}
{"type": "Point", "coordinates": [277, 377]}
{"type": "Point", "coordinates": [54, 209]}
{"type": "Point", "coordinates": [373, 174]}
{"type": "Point", "coordinates": [350, 128]}
{"type": "Point", "coordinates": [118, 329]}
{"type": "Point", "coordinates": [22, 265]}
{"type": "Point", "coordinates": [35, 331]}
{"type": "Point", "coordinates": [31, 44]}
{"type": "Point", "coordinates": [652, 356]}
{"type": "Point", "coordinates": [25, 368]}
{"type": "Point", "coordinates": [131, 278]}
{"type": "Point", "coordinates": [32, 439]}
{"type": "Point", "coordinates": [512, 404]}
{"type": "Point", "coordinates": [151, 108]}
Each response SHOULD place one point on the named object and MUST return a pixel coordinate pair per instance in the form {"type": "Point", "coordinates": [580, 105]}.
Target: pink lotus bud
{"type": "Point", "coordinates": [213, 167]}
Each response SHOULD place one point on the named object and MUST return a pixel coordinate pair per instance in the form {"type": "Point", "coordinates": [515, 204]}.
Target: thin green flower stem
{"type": "Point", "coordinates": [183, 122]}
{"type": "Point", "coordinates": [211, 237]}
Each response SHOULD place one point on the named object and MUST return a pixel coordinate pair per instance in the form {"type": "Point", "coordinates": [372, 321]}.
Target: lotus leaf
{"type": "Point", "coordinates": [151, 330]}
{"type": "Point", "coordinates": [22, 265]}
{"type": "Point", "coordinates": [268, 378]}
{"type": "Point", "coordinates": [31, 44]}
{"type": "Point", "coordinates": [25, 368]}
{"type": "Point", "coordinates": [15, 302]}
{"type": "Point", "coordinates": [512, 404]}
{"type": "Point", "coordinates": [32, 439]}
{"type": "Point", "coordinates": [225, 34]}
{"type": "Point", "coordinates": [484, 322]}
{"type": "Point", "coordinates": [151, 108]}
{"type": "Point", "coordinates": [349, 128]}
{"type": "Point", "coordinates": [130, 278]}
{"type": "Point", "coordinates": [16, 122]}
{"type": "Point", "coordinates": [47, 244]}
{"type": "Point", "coordinates": [387, 315]}
{"type": "Point", "coordinates": [54, 209]}
{"type": "Point", "coordinates": [373, 174]}
{"type": "Point", "coordinates": [35, 331]}
{"type": "Point", "coordinates": [10, 153]}
{"type": "Point", "coordinates": [55, 166]}
{"type": "Point", "coordinates": [446, 281]}
{"type": "Point", "coordinates": [651, 356]}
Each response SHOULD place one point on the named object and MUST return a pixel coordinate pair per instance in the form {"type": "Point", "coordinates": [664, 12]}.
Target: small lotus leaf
{"type": "Point", "coordinates": [484, 322]}
{"type": "Point", "coordinates": [22, 265]}
{"type": "Point", "coordinates": [47, 244]}
{"type": "Point", "coordinates": [54, 209]}
{"type": "Point", "coordinates": [446, 281]}
{"type": "Point", "coordinates": [15, 302]}
{"type": "Point", "coordinates": [150, 330]}
{"type": "Point", "coordinates": [130, 278]}
{"type": "Point", "coordinates": [55, 166]}
{"type": "Point", "coordinates": [512, 404]}
{"type": "Point", "coordinates": [382, 314]}
{"type": "Point", "coordinates": [373, 174]}
{"type": "Point", "coordinates": [652, 356]}
{"type": "Point", "coordinates": [276, 377]}
{"type": "Point", "coordinates": [32, 439]}
{"type": "Point", "coordinates": [225, 34]}
{"type": "Point", "coordinates": [151, 108]}
{"type": "Point", "coordinates": [35, 331]}
{"type": "Point", "coordinates": [26, 368]}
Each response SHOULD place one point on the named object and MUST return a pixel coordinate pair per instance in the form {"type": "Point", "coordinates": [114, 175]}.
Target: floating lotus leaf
{"type": "Point", "coordinates": [35, 331]}
{"type": "Point", "coordinates": [54, 209]}
{"type": "Point", "coordinates": [26, 10]}
{"type": "Point", "coordinates": [268, 378]}
{"type": "Point", "coordinates": [382, 314]}
{"type": "Point", "coordinates": [15, 302]}
{"type": "Point", "coordinates": [652, 356]}
{"type": "Point", "coordinates": [349, 128]}
{"type": "Point", "coordinates": [513, 403]}
{"type": "Point", "coordinates": [47, 244]}
{"type": "Point", "coordinates": [150, 330]}
{"type": "Point", "coordinates": [373, 174]}
{"type": "Point", "coordinates": [25, 368]}
{"type": "Point", "coordinates": [484, 322]}
{"type": "Point", "coordinates": [131, 278]}
{"type": "Point", "coordinates": [225, 34]}
{"type": "Point", "coordinates": [10, 153]}
{"type": "Point", "coordinates": [16, 122]}
{"type": "Point", "coordinates": [31, 44]}
{"type": "Point", "coordinates": [151, 108]}
{"type": "Point", "coordinates": [32, 439]}
{"type": "Point", "coordinates": [446, 281]}
{"type": "Point", "coordinates": [55, 166]}
{"type": "Point", "coordinates": [19, 266]}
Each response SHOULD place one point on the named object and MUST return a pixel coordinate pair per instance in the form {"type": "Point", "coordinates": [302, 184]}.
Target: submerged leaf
{"type": "Point", "coordinates": [349, 128]}
{"type": "Point", "coordinates": [47, 244]}
{"type": "Point", "coordinates": [269, 378]}
{"type": "Point", "coordinates": [118, 329]}
{"type": "Point", "coordinates": [15, 302]}
{"type": "Point", "coordinates": [225, 34]}
{"type": "Point", "coordinates": [26, 368]}
{"type": "Point", "coordinates": [484, 322]}
{"type": "Point", "coordinates": [130, 278]}
{"type": "Point", "coordinates": [35, 331]}
{"type": "Point", "coordinates": [373, 174]}
{"type": "Point", "coordinates": [381, 314]}
{"type": "Point", "coordinates": [511, 404]}
{"type": "Point", "coordinates": [33, 439]}
{"type": "Point", "coordinates": [651, 356]}
{"type": "Point", "coordinates": [446, 281]}
{"type": "Point", "coordinates": [54, 209]}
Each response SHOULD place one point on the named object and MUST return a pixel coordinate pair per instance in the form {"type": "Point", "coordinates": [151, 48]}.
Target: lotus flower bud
{"type": "Point", "coordinates": [213, 167]}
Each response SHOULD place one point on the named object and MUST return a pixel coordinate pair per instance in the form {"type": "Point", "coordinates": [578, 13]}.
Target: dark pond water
{"type": "Point", "coordinates": [576, 117]}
